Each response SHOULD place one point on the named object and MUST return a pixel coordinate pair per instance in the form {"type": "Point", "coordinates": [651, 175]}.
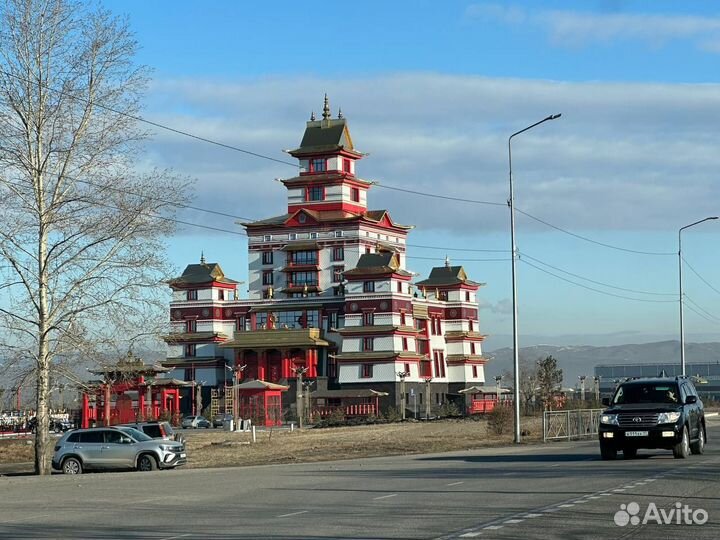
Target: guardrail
{"type": "Point", "coordinates": [571, 424]}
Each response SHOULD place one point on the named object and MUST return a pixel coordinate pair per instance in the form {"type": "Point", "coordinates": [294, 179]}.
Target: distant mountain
{"type": "Point", "coordinates": [582, 359]}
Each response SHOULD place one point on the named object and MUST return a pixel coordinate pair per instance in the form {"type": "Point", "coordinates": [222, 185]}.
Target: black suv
{"type": "Point", "coordinates": [653, 413]}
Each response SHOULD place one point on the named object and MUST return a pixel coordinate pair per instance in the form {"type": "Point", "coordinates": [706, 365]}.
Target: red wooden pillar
{"type": "Point", "coordinates": [85, 422]}
{"type": "Point", "coordinates": [106, 404]}
{"type": "Point", "coordinates": [163, 401]}
{"type": "Point", "coordinates": [141, 404]}
{"type": "Point", "coordinates": [177, 400]}
{"type": "Point", "coordinates": [262, 365]}
{"type": "Point", "coordinates": [285, 365]}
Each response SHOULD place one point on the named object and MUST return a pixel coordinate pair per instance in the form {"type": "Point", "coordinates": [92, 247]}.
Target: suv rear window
{"type": "Point", "coordinates": [152, 430]}
{"type": "Point", "coordinates": [647, 393]}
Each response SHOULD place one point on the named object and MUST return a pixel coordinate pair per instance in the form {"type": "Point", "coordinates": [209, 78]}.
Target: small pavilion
{"type": "Point", "coordinates": [260, 401]}
{"type": "Point", "coordinates": [129, 391]}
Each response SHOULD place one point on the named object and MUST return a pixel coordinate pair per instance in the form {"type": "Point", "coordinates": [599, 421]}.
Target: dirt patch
{"type": "Point", "coordinates": [215, 448]}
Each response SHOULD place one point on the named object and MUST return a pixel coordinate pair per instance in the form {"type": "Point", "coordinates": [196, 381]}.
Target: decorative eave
{"type": "Point", "coordinates": [276, 338]}
{"type": "Point", "coordinates": [460, 336]}
{"type": "Point", "coordinates": [257, 384]}
{"type": "Point", "coordinates": [378, 355]}
{"type": "Point", "coordinates": [484, 390]}
{"type": "Point", "coordinates": [300, 268]}
{"type": "Point", "coordinates": [301, 246]}
{"type": "Point", "coordinates": [194, 337]}
{"type": "Point", "coordinates": [326, 178]}
{"type": "Point", "coordinates": [474, 359]}
{"type": "Point", "coordinates": [301, 289]}
{"type": "Point", "coordinates": [347, 393]}
{"type": "Point", "coordinates": [376, 329]}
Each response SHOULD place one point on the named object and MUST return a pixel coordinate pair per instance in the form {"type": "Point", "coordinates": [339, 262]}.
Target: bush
{"type": "Point", "coordinates": [392, 414]}
{"type": "Point", "coordinates": [499, 420]}
{"type": "Point", "coordinates": [449, 409]}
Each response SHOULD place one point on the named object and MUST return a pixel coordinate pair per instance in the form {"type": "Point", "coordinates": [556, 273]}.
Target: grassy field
{"type": "Point", "coordinates": [215, 448]}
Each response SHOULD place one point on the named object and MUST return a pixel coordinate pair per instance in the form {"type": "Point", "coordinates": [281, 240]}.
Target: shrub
{"type": "Point", "coordinates": [393, 414]}
{"type": "Point", "coordinates": [449, 409]}
{"type": "Point", "coordinates": [499, 420]}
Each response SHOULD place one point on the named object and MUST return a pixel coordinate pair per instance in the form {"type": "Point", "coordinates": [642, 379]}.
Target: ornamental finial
{"type": "Point", "coordinates": [340, 114]}
{"type": "Point", "coordinates": [447, 261]}
{"type": "Point", "coordinates": [312, 116]}
{"type": "Point", "coordinates": [202, 257]}
{"type": "Point", "coordinates": [326, 108]}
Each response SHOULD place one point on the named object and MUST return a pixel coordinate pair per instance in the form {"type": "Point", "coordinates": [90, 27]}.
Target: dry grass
{"type": "Point", "coordinates": [214, 448]}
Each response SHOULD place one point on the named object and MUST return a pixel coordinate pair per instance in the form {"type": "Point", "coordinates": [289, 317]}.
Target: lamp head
{"type": "Point", "coordinates": [555, 116]}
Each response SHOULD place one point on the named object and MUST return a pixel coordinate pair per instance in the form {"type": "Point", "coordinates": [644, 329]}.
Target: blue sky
{"type": "Point", "coordinates": [432, 90]}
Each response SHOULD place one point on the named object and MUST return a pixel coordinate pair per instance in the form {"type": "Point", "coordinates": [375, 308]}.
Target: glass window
{"type": "Point", "coordinates": [313, 235]}
{"type": "Point", "coordinates": [318, 165]}
{"type": "Point", "coordinates": [92, 437]}
{"type": "Point", "coordinates": [366, 371]}
{"type": "Point", "coordinates": [368, 318]}
{"type": "Point", "coordinates": [192, 294]}
{"type": "Point", "coordinates": [369, 286]}
{"type": "Point", "coordinates": [267, 257]}
{"type": "Point", "coordinates": [293, 236]}
{"type": "Point", "coordinates": [292, 319]}
{"type": "Point", "coordinates": [112, 437]}
{"type": "Point", "coordinates": [303, 278]}
{"type": "Point", "coordinates": [191, 326]}
{"type": "Point", "coordinates": [368, 344]}
{"type": "Point", "coordinates": [304, 257]}
{"type": "Point", "coordinates": [338, 273]}
{"type": "Point", "coordinates": [338, 253]}
{"type": "Point", "coordinates": [267, 277]}
{"type": "Point", "coordinates": [338, 234]}
{"type": "Point", "coordinates": [346, 166]}
{"type": "Point", "coordinates": [355, 194]}
{"type": "Point", "coordinates": [267, 237]}
{"type": "Point", "coordinates": [315, 193]}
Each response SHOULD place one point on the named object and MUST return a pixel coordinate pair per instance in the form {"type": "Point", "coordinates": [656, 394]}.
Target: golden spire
{"type": "Point", "coordinates": [326, 108]}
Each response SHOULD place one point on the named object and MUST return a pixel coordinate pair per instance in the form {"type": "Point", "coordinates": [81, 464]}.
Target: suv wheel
{"type": "Point", "coordinates": [699, 446]}
{"type": "Point", "coordinates": [629, 453]}
{"type": "Point", "coordinates": [146, 463]}
{"type": "Point", "coordinates": [682, 449]}
{"type": "Point", "coordinates": [607, 452]}
{"type": "Point", "coordinates": [72, 465]}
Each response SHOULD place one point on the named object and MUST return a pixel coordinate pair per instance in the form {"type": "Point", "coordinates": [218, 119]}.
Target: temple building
{"type": "Point", "coordinates": [330, 300]}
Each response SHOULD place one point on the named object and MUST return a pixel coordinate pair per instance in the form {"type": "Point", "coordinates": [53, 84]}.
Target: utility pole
{"type": "Point", "coordinates": [236, 371]}
{"type": "Point", "coordinates": [596, 380]}
{"type": "Point", "coordinates": [402, 375]}
{"type": "Point", "coordinates": [498, 379]}
{"type": "Point", "coordinates": [299, 372]}
{"type": "Point", "coordinates": [582, 386]}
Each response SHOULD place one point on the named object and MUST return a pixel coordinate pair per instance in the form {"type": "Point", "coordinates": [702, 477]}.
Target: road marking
{"type": "Point", "coordinates": [285, 515]}
{"type": "Point", "coordinates": [385, 497]}
{"type": "Point", "coordinates": [513, 521]}
{"type": "Point", "coordinates": [493, 527]}
{"type": "Point", "coordinates": [604, 494]}
{"type": "Point", "coordinates": [619, 489]}
{"type": "Point", "coordinates": [455, 483]}
{"type": "Point", "coordinates": [470, 535]}
{"type": "Point", "coordinates": [550, 510]}
{"type": "Point", "coordinates": [651, 479]}
{"type": "Point", "coordinates": [532, 515]}
{"type": "Point", "coordinates": [178, 536]}
{"type": "Point", "coordinates": [582, 501]}
{"type": "Point", "coordinates": [593, 497]}
{"type": "Point", "coordinates": [556, 465]}
{"type": "Point", "coordinates": [567, 505]}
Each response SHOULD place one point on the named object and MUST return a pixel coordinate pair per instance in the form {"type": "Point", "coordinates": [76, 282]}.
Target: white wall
{"type": "Point", "coordinates": [350, 373]}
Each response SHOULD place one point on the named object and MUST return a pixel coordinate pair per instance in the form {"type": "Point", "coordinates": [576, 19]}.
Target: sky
{"type": "Point", "coordinates": [432, 91]}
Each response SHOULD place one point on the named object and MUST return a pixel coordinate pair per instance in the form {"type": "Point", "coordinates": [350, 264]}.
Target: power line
{"type": "Point", "coordinates": [586, 239]}
{"type": "Point", "coordinates": [593, 289]}
{"type": "Point", "coordinates": [698, 275]}
{"type": "Point", "coordinates": [698, 306]}
{"type": "Point", "coordinates": [701, 315]}
{"type": "Point", "coordinates": [593, 281]}
{"type": "Point", "coordinates": [150, 122]}
{"type": "Point", "coordinates": [436, 196]}
{"type": "Point", "coordinates": [461, 249]}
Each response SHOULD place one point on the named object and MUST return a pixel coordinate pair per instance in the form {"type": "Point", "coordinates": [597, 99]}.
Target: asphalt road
{"type": "Point", "coordinates": [548, 491]}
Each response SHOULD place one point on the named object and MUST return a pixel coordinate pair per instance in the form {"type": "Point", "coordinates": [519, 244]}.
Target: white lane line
{"type": "Point", "coordinates": [513, 521]}
{"type": "Point", "coordinates": [493, 527]}
{"type": "Point", "coordinates": [604, 494]}
{"type": "Point", "coordinates": [455, 484]}
{"type": "Point", "coordinates": [550, 510]}
{"type": "Point", "coordinates": [385, 497]}
{"type": "Point", "coordinates": [286, 515]}
{"type": "Point", "coordinates": [618, 490]}
{"type": "Point", "coordinates": [470, 535]}
{"type": "Point", "coordinates": [567, 505]}
{"type": "Point", "coordinates": [556, 465]}
{"type": "Point", "coordinates": [651, 479]}
{"type": "Point", "coordinates": [532, 515]}
{"type": "Point", "coordinates": [178, 536]}
{"type": "Point", "coordinates": [593, 497]}
{"type": "Point", "coordinates": [582, 501]}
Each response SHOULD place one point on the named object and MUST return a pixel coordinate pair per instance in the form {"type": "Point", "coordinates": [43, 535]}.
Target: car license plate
{"type": "Point", "coordinates": [636, 433]}
{"type": "Point", "coordinates": [183, 455]}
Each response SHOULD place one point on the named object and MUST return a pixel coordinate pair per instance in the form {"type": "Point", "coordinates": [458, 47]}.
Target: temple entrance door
{"type": "Point", "coordinates": [250, 359]}
{"type": "Point", "coordinates": [124, 412]}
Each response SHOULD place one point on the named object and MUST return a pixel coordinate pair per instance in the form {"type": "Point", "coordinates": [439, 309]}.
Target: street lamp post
{"type": "Point", "coordinates": [511, 204]}
{"type": "Point", "coordinates": [680, 265]}
{"type": "Point", "coordinates": [582, 386]}
{"type": "Point", "coordinates": [236, 371]}
{"type": "Point", "coordinates": [402, 375]}
{"type": "Point", "coordinates": [427, 397]}
{"type": "Point", "coordinates": [498, 379]}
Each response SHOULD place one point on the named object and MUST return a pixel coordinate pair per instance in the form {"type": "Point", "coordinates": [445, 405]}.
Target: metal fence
{"type": "Point", "coordinates": [571, 424]}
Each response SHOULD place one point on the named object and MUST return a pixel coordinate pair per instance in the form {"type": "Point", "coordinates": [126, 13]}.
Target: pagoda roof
{"type": "Point", "coordinates": [197, 274]}
{"type": "Point", "coordinates": [384, 262]}
{"type": "Point", "coordinates": [257, 384]}
{"type": "Point", "coordinates": [327, 177]}
{"type": "Point", "coordinates": [329, 135]}
{"type": "Point", "coordinates": [183, 337]}
{"type": "Point", "coordinates": [276, 338]}
{"type": "Point", "coordinates": [130, 365]}
{"type": "Point", "coordinates": [442, 276]}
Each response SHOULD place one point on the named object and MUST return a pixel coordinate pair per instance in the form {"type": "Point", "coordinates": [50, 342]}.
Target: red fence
{"type": "Point", "coordinates": [482, 406]}
{"type": "Point", "coordinates": [362, 409]}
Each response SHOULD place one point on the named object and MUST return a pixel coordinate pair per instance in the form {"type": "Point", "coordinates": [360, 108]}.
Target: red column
{"type": "Point", "coordinates": [141, 403]}
{"type": "Point", "coordinates": [85, 421]}
{"type": "Point", "coordinates": [262, 366]}
{"type": "Point", "coordinates": [312, 363]}
{"type": "Point", "coordinates": [285, 365]}
{"type": "Point", "coordinates": [106, 405]}
{"type": "Point", "coordinates": [163, 400]}
{"type": "Point", "coordinates": [177, 401]}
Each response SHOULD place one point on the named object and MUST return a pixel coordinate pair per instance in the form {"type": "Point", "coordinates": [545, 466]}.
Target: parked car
{"type": "Point", "coordinates": [158, 430]}
{"type": "Point", "coordinates": [220, 419]}
{"type": "Point", "coordinates": [115, 448]}
{"type": "Point", "coordinates": [196, 422]}
{"type": "Point", "coordinates": [653, 413]}
{"type": "Point", "coordinates": [55, 425]}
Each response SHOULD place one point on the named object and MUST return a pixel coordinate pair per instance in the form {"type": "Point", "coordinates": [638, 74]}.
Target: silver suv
{"type": "Point", "coordinates": [115, 448]}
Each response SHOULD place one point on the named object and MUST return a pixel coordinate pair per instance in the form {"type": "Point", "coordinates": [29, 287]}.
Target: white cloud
{"type": "Point", "coordinates": [581, 28]}
{"type": "Point", "coordinates": [622, 157]}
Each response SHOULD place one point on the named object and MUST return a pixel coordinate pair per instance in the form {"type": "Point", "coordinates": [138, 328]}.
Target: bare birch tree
{"type": "Point", "coordinates": [81, 239]}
